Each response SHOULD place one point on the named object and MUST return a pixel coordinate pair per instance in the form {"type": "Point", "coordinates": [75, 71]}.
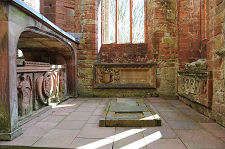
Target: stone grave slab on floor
{"type": "Point", "coordinates": [126, 112]}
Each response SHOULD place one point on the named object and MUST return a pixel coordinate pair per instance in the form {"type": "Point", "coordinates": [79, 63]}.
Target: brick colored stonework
{"type": "Point", "coordinates": [60, 12]}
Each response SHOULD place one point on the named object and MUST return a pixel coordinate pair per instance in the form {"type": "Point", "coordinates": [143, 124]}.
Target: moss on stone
{"type": "Point", "coordinates": [4, 118]}
{"type": "Point", "coordinates": [16, 12]}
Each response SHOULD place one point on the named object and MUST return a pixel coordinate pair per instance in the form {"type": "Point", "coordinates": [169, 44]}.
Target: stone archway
{"type": "Point", "coordinates": [42, 71]}
{"type": "Point", "coordinates": [20, 28]}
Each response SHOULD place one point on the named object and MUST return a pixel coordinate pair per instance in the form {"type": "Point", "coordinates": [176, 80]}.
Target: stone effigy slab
{"type": "Point", "coordinates": [122, 112]}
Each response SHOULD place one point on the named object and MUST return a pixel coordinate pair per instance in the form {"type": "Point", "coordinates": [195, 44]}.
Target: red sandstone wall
{"type": "Point", "coordinates": [189, 35]}
{"type": "Point", "coordinates": [86, 23]}
{"type": "Point", "coordinates": [162, 42]}
{"type": "Point", "coordinates": [162, 29]}
{"type": "Point", "coordinates": [48, 9]}
{"type": "Point", "coordinates": [215, 62]}
{"type": "Point", "coordinates": [60, 12]}
{"type": "Point", "coordinates": [124, 53]}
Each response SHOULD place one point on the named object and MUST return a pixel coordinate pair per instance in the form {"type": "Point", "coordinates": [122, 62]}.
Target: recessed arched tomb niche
{"type": "Point", "coordinates": [41, 70]}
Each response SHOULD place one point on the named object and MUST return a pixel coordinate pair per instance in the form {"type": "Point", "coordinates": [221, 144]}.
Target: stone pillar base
{"type": "Point", "coordinates": [10, 136]}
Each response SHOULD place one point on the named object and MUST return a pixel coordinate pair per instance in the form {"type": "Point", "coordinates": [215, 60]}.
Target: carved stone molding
{"type": "Point", "coordinates": [24, 86]}
{"type": "Point", "coordinates": [44, 87]}
{"type": "Point", "coordinates": [39, 84]}
{"type": "Point", "coordinates": [125, 75]}
{"type": "Point", "coordinates": [195, 84]}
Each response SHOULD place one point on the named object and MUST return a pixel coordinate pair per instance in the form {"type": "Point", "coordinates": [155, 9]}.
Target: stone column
{"type": "Point", "coordinates": [8, 91]}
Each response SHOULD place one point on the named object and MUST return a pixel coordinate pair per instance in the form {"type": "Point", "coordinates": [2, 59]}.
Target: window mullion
{"type": "Point", "coordinates": [116, 22]}
{"type": "Point", "coordinates": [131, 6]}
{"type": "Point", "coordinates": [102, 20]}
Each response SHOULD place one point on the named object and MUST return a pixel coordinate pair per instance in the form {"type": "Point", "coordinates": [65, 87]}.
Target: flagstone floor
{"type": "Point", "coordinates": [74, 124]}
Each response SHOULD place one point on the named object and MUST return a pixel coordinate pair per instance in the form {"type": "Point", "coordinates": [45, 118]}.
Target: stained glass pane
{"type": "Point", "coordinates": [109, 21]}
{"type": "Point", "coordinates": [138, 21]}
{"type": "Point", "coordinates": [123, 21]}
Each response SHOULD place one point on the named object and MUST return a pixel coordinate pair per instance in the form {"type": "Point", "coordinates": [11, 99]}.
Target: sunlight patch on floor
{"type": "Point", "coordinates": [137, 144]}
{"type": "Point", "coordinates": [54, 105]}
{"type": "Point", "coordinates": [156, 116]}
{"type": "Point", "coordinates": [111, 139]}
{"type": "Point", "coordinates": [143, 142]}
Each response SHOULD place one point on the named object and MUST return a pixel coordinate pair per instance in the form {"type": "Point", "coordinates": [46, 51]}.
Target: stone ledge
{"type": "Point", "coordinates": [124, 86]}
{"type": "Point", "coordinates": [124, 65]}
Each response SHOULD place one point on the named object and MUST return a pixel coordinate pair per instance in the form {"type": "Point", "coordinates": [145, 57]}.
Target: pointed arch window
{"type": "Point", "coordinates": [123, 21]}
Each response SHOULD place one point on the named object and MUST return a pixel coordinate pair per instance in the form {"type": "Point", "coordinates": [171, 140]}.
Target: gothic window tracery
{"type": "Point", "coordinates": [123, 21]}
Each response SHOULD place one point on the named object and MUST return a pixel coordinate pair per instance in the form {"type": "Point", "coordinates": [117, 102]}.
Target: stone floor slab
{"type": "Point", "coordinates": [64, 111]}
{"type": "Point", "coordinates": [89, 104]}
{"type": "Point", "coordinates": [166, 132]}
{"type": "Point", "coordinates": [184, 124]}
{"type": "Point", "coordinates": [84, 143]}
{"type": "Point", "coordinates": [200, 139]}
{"type": "Point", "coordinates": [71, 125]}
{"type": "Point", "coordinates": [21, 141]}
{"type": "Point", "coordinates": [85, 109]}
{"type": "Point", "coordinates": [53, 118]}
{"type": "Point", "coordinates": [57, 138]}
{"type": "Point", "coordinates": [95, 132]}
{"type": "Point", "coordinates": [215, 129]}
{"type": "Point", "coordinates": [201, 118]}
{"type": "Point", "coordinates": [46, 125]}
{"type": "Point", "coordinates": [79, 128]}
{"type": "Point", "coordinates": [173, 115]}
{"type": "Point", "coordinates": [128, 140]}
{"type": "Point", "coordinates": [98, 111]}
{"type": "Point", "coordinates": [94, 119]}
{"type": "Point", "coordinates": [166, 144]}
{"type": "Point", "coordinates": [78, 116]}
{"type": "Point", "coordinates": [35, 131]}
